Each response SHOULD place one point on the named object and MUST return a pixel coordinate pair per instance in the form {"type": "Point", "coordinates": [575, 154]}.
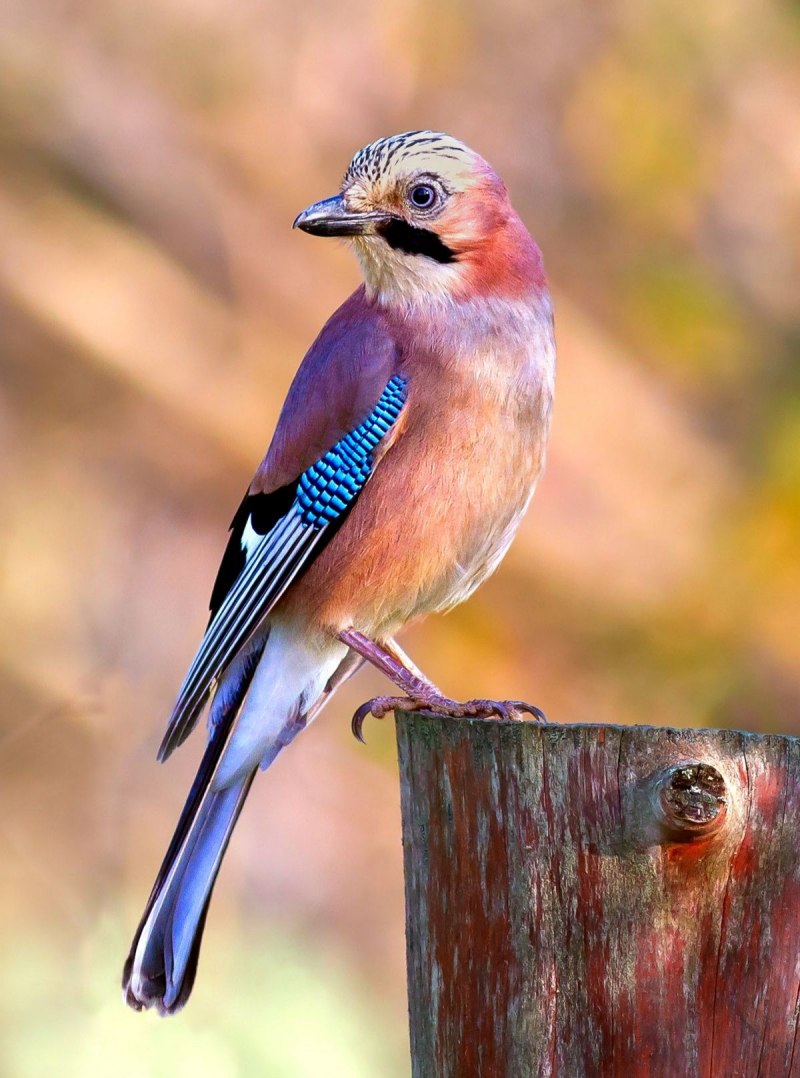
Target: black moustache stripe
{"type": "Point", "coordinates": [416, 241]}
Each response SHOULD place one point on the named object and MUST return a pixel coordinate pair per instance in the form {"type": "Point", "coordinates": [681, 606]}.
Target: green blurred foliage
{"type": "Point", "coordinates": [298, 1013]}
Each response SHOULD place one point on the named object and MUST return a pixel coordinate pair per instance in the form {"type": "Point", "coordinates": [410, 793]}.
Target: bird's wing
{"type": "Point", "coordinates": [344, 401]}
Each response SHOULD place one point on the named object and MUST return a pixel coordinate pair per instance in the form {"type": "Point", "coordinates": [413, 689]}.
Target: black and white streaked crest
{"type": "Point", "coordinates": [374, 160]}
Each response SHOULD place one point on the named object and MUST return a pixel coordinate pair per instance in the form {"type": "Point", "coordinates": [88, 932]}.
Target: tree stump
{"type": "Point", "coordinates": [600, 900]}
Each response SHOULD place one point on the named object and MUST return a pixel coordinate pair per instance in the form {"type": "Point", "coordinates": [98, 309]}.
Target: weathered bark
{"type": "Point", "coordinates": [586, 900]}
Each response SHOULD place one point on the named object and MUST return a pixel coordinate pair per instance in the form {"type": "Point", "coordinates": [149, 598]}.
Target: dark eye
{"type": "Point", "coordinates": [422, 196]}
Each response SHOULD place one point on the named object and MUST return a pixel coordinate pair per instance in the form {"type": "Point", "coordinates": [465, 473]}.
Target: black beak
{"type": "Point", "coordinates": [332, 218]}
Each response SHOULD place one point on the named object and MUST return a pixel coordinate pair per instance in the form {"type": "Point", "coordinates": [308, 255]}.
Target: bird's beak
{"type": "Point", "coordinates": [332, 218]}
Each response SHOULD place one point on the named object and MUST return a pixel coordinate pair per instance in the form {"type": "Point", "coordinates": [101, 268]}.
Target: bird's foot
{"type": "Point", "coordinates": [442, 705]}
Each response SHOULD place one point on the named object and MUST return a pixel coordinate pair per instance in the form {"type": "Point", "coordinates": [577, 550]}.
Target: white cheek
{"type": "Point", "coordinates": [395, 275]}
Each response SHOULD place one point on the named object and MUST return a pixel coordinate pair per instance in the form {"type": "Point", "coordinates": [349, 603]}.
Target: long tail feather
{"type": "Point", "coordinates": [161, 966]}
{"type": "Point", "coordinates": [162, 963]}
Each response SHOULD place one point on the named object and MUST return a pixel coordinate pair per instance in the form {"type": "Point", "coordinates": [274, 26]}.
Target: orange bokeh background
{"type": "Point", "coordinates": [154, 305]}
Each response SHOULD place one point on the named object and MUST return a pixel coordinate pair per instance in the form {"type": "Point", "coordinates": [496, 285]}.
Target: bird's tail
{"type": "Point", "coordinates": [162, 963]}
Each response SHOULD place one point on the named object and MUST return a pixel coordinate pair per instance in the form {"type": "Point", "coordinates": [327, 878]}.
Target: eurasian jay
{"type": "Point", "coordinates": [404, 458]}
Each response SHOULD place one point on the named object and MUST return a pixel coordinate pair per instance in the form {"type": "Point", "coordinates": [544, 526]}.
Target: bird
{"type": "Point", "coordinates": [403, 460]}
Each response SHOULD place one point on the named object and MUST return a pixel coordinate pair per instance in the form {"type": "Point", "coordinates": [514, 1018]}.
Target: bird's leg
{"type": "Point", "coordinates": [397, 652]}
{"type": "Point", "coordinates": [421, 694]}
{"type": "Point", "coordinates": [391, 661]}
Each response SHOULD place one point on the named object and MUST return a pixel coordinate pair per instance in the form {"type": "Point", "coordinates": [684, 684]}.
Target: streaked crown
{"type": "Point", "coordinates": [397, 154]}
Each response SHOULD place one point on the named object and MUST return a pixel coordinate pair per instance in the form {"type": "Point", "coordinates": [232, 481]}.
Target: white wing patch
{"type": "Point", "coordinates": [250, 539]}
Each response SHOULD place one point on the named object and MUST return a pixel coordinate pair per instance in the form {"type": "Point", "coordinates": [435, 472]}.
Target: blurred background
{"type": "Point", "coordinates": [154, 305]}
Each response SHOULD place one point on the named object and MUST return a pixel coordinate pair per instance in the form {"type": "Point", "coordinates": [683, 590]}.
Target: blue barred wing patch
{"type": "Point", "coordinates": [328, 487]}
{"type": "Point", "coordinates": [271, 559]}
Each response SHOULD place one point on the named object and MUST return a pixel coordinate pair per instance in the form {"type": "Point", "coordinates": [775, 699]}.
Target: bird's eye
{"type": "Point", "coordinates": [422, 196]}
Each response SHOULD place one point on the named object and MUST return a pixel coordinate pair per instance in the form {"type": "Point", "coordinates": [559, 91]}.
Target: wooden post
{"type": "Point", "coordinates": [600, 900]}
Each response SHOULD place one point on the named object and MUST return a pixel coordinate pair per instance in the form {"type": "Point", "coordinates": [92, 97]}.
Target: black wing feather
{"type": "Point", "coordinates": [263, 511]}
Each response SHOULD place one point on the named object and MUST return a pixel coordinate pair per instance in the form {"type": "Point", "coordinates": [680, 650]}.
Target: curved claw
{"type": "Point", "coordinates": [504, 709]}
{"type": "Point", "coordinates": [357, 722]}
{"type": "Point", "coordinates": [378, 706]}
{"type": "Point", "coordinates": [520, 705]}
{"type": "Point", "coordinates": [486, 708]}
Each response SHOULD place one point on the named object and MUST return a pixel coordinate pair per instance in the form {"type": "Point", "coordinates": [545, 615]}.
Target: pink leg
{"type": "Point", "coordinates": [388, 662]}
{"type": "Point", "coordinates": [394, 648]}
{"type": "Point", "coordinates": [421, 694]}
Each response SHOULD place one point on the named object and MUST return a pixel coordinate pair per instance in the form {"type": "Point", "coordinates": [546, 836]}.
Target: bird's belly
{"type": "Point", "coordinates": [426, 537]}
{"type": "Point", "coordinates": [477, 564]}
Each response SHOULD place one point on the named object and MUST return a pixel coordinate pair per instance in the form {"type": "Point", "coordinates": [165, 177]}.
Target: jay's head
{"type": "Point", "coordinates": [427, 216]}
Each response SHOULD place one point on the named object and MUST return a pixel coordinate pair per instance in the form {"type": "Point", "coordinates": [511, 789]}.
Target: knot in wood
{"type": "Point", "coordinates": [691, 800]}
